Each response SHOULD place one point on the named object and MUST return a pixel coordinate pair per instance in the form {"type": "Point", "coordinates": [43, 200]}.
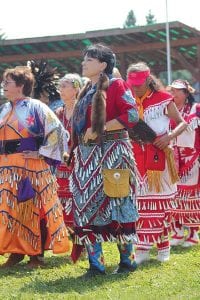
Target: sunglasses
{"type": "Point", "coordinates": [6, 82]}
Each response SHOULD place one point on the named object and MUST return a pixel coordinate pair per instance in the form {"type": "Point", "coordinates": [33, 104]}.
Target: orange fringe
{"type": "Point", "coordinates": [173, 172]}
{"type": "Point", "coordinates": [154, 180]}
{"type": "Point", "coordinates": [25, 212]}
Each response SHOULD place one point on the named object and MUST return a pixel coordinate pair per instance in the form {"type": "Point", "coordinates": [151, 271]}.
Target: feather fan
{"type": "Point", "coordinates": [46, 79]}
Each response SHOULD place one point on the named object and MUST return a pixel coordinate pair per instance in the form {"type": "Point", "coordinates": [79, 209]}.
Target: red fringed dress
{"type": "Point", "coordinates": [187, 209]}
{"type": "Point", "coordinates": [154, 199]}
{"type": "Point", "coordinates": [63, 172]}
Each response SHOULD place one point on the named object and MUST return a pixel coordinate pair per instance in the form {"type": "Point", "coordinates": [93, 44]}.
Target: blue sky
{"type": "Point", "coordinates": [25, 18]}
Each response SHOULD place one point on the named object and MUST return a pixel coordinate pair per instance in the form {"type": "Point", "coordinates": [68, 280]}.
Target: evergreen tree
{"type": "Point", "coordinates": [130, 20]}
{"type": "Point", "coordinates": [150, 18]}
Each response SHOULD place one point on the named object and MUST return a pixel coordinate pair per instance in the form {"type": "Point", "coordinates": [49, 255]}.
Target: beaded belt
{"type": "Point", "coordinates": [107, 136]}
{"type": "Point", "coordinates": [20, 145]}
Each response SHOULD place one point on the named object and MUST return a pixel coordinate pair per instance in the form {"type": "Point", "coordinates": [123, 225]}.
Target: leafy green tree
{"type": "Point", "coordinates": [130, 20]}
{"type": "Point", "coordinates": [183, 74]}
{"type": "Point", "coordinates": [150, 18]}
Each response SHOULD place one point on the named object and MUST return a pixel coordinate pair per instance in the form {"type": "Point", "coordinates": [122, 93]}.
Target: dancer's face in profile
{"type": "Point", "coordinates": [92, 67]}
{"type": "Point", "coordinates": [10, 89]}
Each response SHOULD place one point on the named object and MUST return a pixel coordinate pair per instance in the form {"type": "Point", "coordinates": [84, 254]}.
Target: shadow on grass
{"type": "Point", "coordinates": [71, 283]}
{"type": "Point", "coordinates": [182, 250]}
{"type": "Point", "coordinates": [57, 262]}
{"type": "Point", "coordinates": [73, 280]}
{"type": "Point", "coordinates": [21, 269]}
{"type": "Point", "coordinates": [176, 250]}
{"type": "Point", "coordinates": [17, 271]}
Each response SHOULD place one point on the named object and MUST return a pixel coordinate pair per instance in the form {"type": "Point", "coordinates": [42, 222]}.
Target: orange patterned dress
{"type": "Point", "coordinates": [20, 126]}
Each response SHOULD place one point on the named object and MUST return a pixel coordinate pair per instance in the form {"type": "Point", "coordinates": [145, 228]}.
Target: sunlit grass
{"type": "Point", "coordinates": [60, 279]}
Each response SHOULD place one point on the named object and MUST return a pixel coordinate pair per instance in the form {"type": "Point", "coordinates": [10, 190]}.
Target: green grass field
{"type": "Point", "coordinates": [177, 279]}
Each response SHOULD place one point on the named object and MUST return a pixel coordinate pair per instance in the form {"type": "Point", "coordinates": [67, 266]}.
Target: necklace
{"type": "Point", "coordinates": [66, 120]}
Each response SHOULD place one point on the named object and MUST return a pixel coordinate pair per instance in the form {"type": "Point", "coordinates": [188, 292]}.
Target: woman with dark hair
{"type": "Point", "coordinates": [155, 164]}
{"type": "Point", "coordinates": [186, 212]}
{"type": "Point", "coordinates": [32, 138]}
{"type": "Point", "coordinates": [104, 111]}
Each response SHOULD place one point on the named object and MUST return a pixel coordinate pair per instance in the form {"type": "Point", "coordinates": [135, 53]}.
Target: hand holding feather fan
{"type": "Point", "coordinates": [142, 133]}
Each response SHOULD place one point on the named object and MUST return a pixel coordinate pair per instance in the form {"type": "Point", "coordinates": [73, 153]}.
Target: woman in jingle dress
{"type": "Point", "coordinates": [186, 212]}
{"type": "Point", "coordinates": [32, 138]}
{"type": "Point", "coordinates": [69, 87]}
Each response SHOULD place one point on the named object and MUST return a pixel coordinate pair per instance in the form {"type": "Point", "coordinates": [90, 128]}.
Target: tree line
{"type": "Point", "coordinates": [131, 20]}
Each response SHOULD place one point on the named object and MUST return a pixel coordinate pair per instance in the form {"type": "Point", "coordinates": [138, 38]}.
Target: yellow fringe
{"type": "Point", "coordinates": [25, 211]}
{"type": "Point", "coordinates": [173, 173]}
{"type": "Point", "coordinates": [154, 180]}
{"type": "Point", "coordinates": [154, 176]}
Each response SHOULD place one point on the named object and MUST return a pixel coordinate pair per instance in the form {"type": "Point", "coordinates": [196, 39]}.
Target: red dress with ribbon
{"type": "Point", "coordinates": [156, 191]}
{"type": "Point", "coordinates": [63, 172]}
{"type": "Point", "coordinates": [187, 208]}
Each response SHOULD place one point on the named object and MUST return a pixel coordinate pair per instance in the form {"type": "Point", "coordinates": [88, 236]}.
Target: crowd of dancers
{"type": "Point", "coordinates": [94, 158]}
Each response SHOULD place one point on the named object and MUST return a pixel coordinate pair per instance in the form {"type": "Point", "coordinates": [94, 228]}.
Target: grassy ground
{"type": "Point", "coordinates": [177, 279]}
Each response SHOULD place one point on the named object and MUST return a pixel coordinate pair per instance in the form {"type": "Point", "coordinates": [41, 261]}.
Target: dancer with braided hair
{"type": "Point", "coordinates": [102, 115]}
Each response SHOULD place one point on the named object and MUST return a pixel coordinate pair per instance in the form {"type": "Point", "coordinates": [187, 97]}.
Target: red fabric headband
{"type": "Point", "coordinates": [137, 78]}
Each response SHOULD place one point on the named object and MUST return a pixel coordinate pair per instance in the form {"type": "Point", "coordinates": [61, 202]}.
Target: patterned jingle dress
{"type": "Point", "coordinates": [29, 125]}
{"type": "Point", "coordinates": [97, 217]}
